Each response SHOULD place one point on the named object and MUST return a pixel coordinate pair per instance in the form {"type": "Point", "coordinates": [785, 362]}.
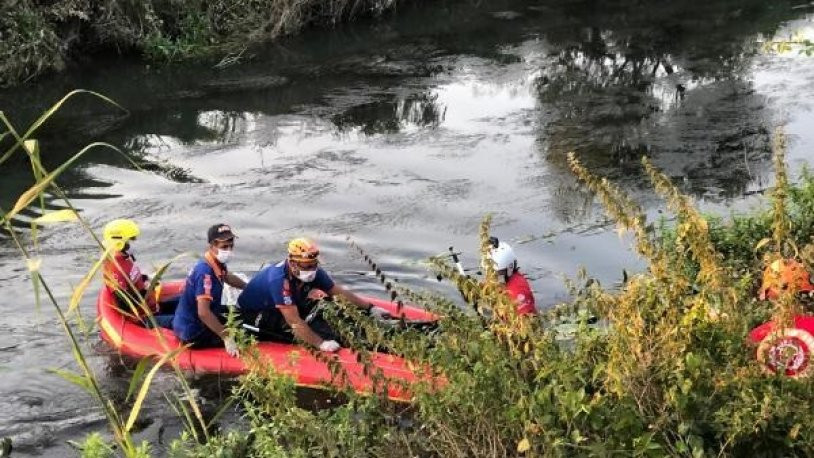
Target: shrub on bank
{"type": "Point", "coordinates": [36, 37]}
{"type": "Point", "coordinates": [671, 373]}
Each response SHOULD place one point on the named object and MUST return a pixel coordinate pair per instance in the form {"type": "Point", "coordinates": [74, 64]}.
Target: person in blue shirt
{"type": "Point", "coordinates": [283, 293]}
{"type": "Point", "coordinates": [200, 316]}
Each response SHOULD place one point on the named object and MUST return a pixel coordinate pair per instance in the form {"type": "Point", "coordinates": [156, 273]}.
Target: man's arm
{"type": "Point", "coordinates": [233, 280]}
{"type": "Point", "coordinates": [350, 297]}
{"type": "Point", "coordinates": [300, 328]}
{"type": "Point", "coordinates": [209, 319]}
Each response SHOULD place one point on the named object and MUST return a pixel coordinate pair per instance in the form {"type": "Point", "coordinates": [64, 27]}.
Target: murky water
{"type": "Point", "coordinates": [401, 134]}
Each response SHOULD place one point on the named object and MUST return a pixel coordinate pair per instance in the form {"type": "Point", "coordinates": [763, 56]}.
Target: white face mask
{"type": "Point", "coordinates": [223, 256]}
{"type": "Point", "coordinates": [307, 276]}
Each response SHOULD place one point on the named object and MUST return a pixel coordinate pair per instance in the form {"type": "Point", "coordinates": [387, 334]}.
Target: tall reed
{"type": "Point", "coordinates": [46, 182]}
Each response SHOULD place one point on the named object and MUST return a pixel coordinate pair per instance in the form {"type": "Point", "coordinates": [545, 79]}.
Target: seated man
{"type": "Point", "coordinates": [517, 286]}
{"type": "Point", "coordinates": [120, 272]}
{"type": "Point", "coordinates": [124, 277]}
{"type": "Point", "coordinates": [282, 293]}
{"type": "Point", "coordinates": [200, 317]}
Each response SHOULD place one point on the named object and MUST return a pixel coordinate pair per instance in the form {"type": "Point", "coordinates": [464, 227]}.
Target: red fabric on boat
{"type": "Point", "coordinates": [788, 350]}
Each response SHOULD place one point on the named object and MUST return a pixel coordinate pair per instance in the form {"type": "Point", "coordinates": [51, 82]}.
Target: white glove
{"type": "Point", "coordinates": [329, 346]}
{"type": "Point", "coordinates": [380, 313]}
{"type": "Point", "coordinates": [231, 347]}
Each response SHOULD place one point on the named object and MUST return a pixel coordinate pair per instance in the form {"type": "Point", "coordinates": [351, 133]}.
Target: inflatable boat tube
{"type": "Point", "coordinates": [132, 339]}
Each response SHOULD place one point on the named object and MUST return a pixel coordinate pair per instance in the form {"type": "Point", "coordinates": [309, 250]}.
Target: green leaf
{"type": "Point", "coordinates": [32, 193]}
{"type": "Point", "coordinates": [5, 447]}
{"type": "Point", "coordinates": [44, 117]}
{"type": "Point", "coordinates": [762, 243]}
{"type": "Point", "coordinates": [74, 378]}
{"type": "Point", "coordinates": [145, 388]}
{"type": "Point", "coordinates": [138, 374]}
{"type": "Point", "coordinates": [79, 291]}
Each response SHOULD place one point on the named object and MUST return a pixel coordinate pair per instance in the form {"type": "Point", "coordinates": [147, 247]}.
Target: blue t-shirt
{"type": "Point", "coordinates": [273, 286]}
{"type": "Point", "coordinates": [202, 281]}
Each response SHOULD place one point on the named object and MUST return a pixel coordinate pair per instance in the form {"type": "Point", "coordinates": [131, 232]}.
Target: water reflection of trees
{"type": "Point", "coordinates": [667, 79]}
{"type": "Point", "coordinates": [622, 79]}
{"type": "Point", "coordinates": [392, 114]}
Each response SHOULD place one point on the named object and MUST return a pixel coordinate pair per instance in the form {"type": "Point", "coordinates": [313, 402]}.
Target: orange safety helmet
{"type": "Point", "coordinates": [303, 250]}
{"type": "Point", "coordinates": [782, 275]}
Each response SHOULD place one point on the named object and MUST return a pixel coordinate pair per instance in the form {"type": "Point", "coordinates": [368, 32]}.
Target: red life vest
{"type": "Point", "coordinates": [519, 289]}
{"type": "Point", "coordinates": [116, 273]}
{"type": "Point", "coordinates": [114, 277]}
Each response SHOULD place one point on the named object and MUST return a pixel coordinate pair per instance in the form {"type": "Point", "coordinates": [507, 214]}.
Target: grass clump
{"type": "Point", "coordinates": [36, 37]}
{"type": "Point", "coordinates": [672, 374]}
{"type": "Point", "coordinates": [29, 44]}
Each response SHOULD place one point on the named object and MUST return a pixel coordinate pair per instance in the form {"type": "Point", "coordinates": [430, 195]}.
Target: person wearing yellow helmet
{"type": "Point", "coordinates": [121, 273]}
{"type": "Point", "coordinates": [284, 294]}
{"type": "Point", "coordinates": [124, 277]}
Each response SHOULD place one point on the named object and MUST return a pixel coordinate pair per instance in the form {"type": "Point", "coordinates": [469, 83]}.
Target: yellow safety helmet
{"type": "Point", "coordinates": [303, 250]}
{"type": "Point", "coordinates": [119, 231]}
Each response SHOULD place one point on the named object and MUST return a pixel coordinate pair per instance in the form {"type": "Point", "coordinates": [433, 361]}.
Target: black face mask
{"type": "Point", "coordinates": [126, 250]}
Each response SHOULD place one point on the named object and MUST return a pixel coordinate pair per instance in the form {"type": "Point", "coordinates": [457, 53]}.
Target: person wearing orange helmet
{"type": "Point", "coordinates": [283, 293]}
{"type": "Point", "coordinates": [784, 275]}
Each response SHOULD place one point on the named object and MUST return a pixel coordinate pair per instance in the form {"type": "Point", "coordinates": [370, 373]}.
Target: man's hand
{"type": "Point", "coordinates": [231, 347]}
{"type": "Point", "coordinates": [329, 346]}
{"type": "Point", "coordinates": [317, 294]}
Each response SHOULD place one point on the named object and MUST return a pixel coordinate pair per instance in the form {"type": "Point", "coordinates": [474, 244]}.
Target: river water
{"type": "Point", "coordinates": [401, 133]}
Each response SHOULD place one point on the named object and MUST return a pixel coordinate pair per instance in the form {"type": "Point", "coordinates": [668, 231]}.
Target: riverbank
{"type": "Point", "coordinates": [42, 37]}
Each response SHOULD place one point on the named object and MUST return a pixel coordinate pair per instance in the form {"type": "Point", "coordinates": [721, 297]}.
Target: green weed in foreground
{"type": "Point", "coordinates": [121, 417]}
{"type": "Point", "coordinates": [671, 375]}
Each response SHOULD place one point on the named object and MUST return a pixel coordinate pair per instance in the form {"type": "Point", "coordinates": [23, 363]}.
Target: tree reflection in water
{"type": "Point", "coordinates": [392, 114]}
{"type": "Point", "coordinates": [671, 80]}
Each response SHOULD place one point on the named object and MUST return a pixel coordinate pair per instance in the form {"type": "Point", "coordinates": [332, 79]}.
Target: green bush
{"type": "Point", "coordinates": [36, 37]}
{"type": "Point", "coordinates": [670, 374]}
{"type": "Point", "coordinates": [29, 43]}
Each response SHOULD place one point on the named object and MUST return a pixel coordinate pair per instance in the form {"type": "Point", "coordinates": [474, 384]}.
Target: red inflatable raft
{"type": "Point", "coordinates": [132, 339]}
{"type": "Point", "coordinates": [786, 350]}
